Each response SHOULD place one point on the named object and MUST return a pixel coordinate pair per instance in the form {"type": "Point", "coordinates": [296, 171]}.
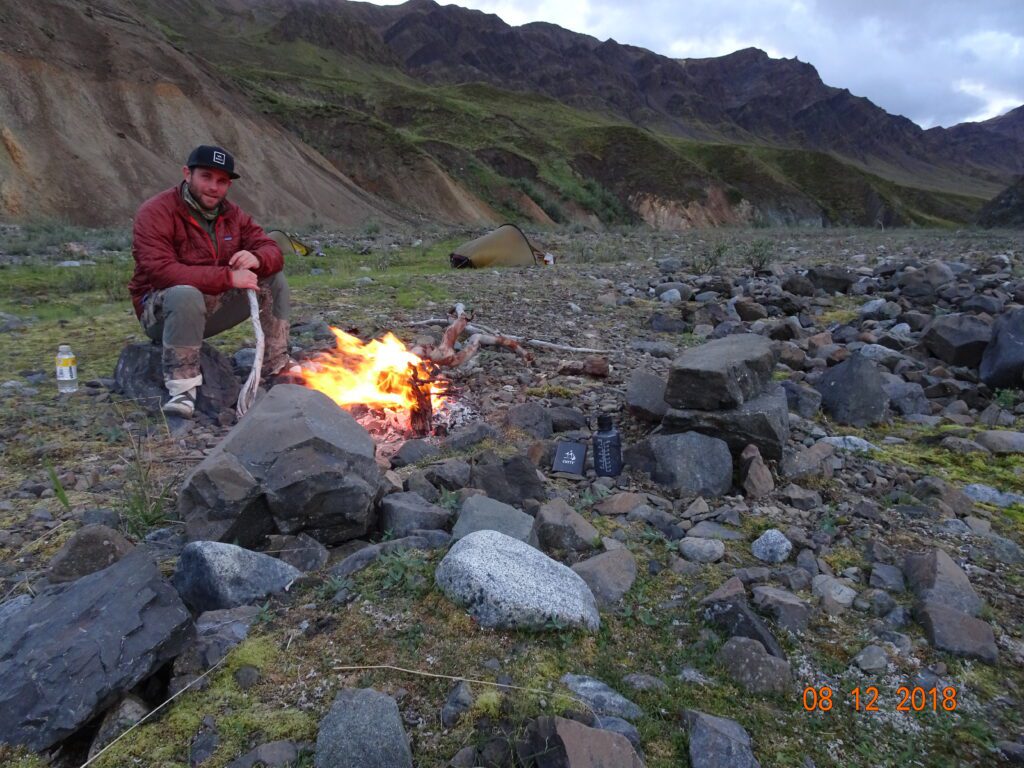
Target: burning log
{"type": "Point", "coordinates": [421, 415]}
{"type": "Point", "coordinates": [444, 354]}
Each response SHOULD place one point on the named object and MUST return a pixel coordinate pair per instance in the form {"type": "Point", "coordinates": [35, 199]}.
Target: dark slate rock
{"type": "Point", "coordinates": [273, 754]}
{"type": "Point", "coordinates": [52, 682]}
{"type": "Point", "coordinates": [363, 729]}
{"type": "Point", "coordinates": [906, 398]}
{"type": "Point", "coordinates": [364, 556]}
{"type": "Point", "coordinates": [302, 551]}
{"type": "Point", "coordinates": [472, 434]}
{"type": "Point", "coordinates": [831, 278]}
{"type": "Point", "coordinates": [610, 575]}
{"type": "Point", "coordinates": [735, 618]}
{"type": "Point", "coordinates": [561, 528]}
{"type": "Point", "coordinates": [139, 376]}
{"type": "Point", "coordinates": [449, 475]}
{"type": "Point", "coordinates": [602, 699]}
{"type": "Point", "coordinates": [663, 323]}
{"type": "Point", "coordinates": [934, 577]}
{"type": "Point", "coordinates": [789, 611]}
{"type": "Point", "coordinates": [747, 663]}
{"type": "Point", "coordinates": [566, 419]}
{"type": "Point", "coordinates": [853, 392]}
{"type": "Point", "coordinates": [958, 339]}
{"type": "Point", "coordinates": [721, 374]}
{"type": "Point", "coordinates": [717, 742]}
{"type": "Point", "coordinates": [413, 451]}
{"type": "Point", "coordinates": [802, 400]}
{"type": "Point", "coordinates": [296, 462]}
{"type": "Point", "coordinates": [403, 513]}
{"type": "Point", "coordinates": [690, 463]}
{"type": "Point", "coordinates": [531, 418]}
{"type": "Point", "coordinates": [958, 633]}
{"type": "Point", "coordinates": [90, 549]}
{"type": "Point", "coordinates": [459, 701]}
{"type": "Point", "coordinates": [212, 575]}
{"type": "Point", "coordinates": [512, 481]}
{"type": "Point", "coordinates": [480, 513]}
{"type": "Point", "coordinates": [1002, 364]}
{"type": "Point", "coordinates": [798, 285]}
{"type": "Point", "coordinates": [13, 606]}
{"type": "Point", "coordinates": [762, 421]}
{"type": "Point", "coordinates": [645, 396]}
{"type": "Point", "coordinates": [555, 741]}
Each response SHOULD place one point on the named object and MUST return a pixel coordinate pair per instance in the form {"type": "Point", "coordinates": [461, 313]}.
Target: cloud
{"type": "Point", "coordinates": [938, 63]}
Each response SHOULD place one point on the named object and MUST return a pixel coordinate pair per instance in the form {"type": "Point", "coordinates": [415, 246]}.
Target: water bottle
{"type": "Point", "coordinates": [607, 448]}
{"type": "Point", "coordinates": [67, 370]}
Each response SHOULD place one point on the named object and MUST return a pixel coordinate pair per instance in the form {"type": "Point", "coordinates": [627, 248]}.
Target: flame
{"type": "Point", "coordinates": [378, 373]}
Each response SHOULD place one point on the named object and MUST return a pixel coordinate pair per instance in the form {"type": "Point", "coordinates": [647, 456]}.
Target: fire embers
{"type": "Point", "coordinates": [381, 379]}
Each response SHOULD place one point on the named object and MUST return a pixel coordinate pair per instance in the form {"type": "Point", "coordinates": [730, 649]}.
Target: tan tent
{"type": "Point", "coordinates": [289, 244]}
{"type": "Point", "coordinates": [506, 246]}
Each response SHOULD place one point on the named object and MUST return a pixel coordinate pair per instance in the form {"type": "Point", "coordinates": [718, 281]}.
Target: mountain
{"type": "Point", "coordinates": [1006, 209]}
{"type": "Point", "coordinates": [348, 112]}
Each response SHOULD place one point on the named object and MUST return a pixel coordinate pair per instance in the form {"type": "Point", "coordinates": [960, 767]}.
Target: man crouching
{"type": "Point", "coordinates": [195, 254]}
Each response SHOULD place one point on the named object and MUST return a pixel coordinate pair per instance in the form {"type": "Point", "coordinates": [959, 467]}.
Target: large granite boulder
{"type": "Point", "coordinates": [363, 729]}
{"type": "Point", "coordinates": [507, 583]}
{"type": "Point", "coordinates": [721, 374]}
{"type": "Point", "coordinates": [295, 463]}
{"type": "Point", "coordinates": [853, 392]}
{"type": "Point", "coordinates": [763, 421]}
{"type": "Point", "coordinates": [958, 339]}
{"type": "Point", "coordinates": [690, 463]}
{"type": "Point", "coordinates": [139, 376]}
{"type": "Point", "coordinates": [1002, 364]}
{"type": "Point", "coordinates": [73, 651]}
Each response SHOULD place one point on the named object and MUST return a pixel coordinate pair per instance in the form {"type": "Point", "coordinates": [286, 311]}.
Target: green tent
{"type": "Point", "coordinates": [289, 244]}
{"type": "Point", "coordinates": [506, 246]}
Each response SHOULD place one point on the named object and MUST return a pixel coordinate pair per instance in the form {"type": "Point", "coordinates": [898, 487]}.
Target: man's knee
{"type": "Point", "coordinates": [184, 301]}
{"type": "Point", "coordinates": [281, 295]}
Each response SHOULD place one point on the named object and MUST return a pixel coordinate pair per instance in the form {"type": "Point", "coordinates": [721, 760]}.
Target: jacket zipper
{"type": "Point", "coordinates": [209, 237]}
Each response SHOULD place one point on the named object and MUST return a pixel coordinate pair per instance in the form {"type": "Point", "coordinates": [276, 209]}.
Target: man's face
{"type": "Point", "coordinates": [208, 186]}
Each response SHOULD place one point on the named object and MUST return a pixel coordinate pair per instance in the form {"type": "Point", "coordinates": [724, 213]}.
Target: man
{"type": "Point", "coordinates": [195, 254]}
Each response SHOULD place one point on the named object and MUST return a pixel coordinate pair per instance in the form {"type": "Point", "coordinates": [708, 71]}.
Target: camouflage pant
{"type": "Point", "coordinates": [180, 318]}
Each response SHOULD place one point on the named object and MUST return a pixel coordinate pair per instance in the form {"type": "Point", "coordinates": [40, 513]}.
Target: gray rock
{"type": "Point", "coordinates": [403, 513]}
{"type": "Point", "coordinates": [480, 513]}
{"type": "Point", "coordinates": [52, 683]}
{"type": "Point", "coordinates": [957, 632]}
{"type": "Point", "coordinates": [698, 550]}
{"type": "Point", "coordinates": [610, 575]}
{"type": "Point", "coordinates": [717, 742]}
{"type": "Point", "coordinates": [531, 418]}
{"type": "Point", "coordinates": [772, 546]}
{"type": "Point", "coordinates": [802, 400]}
{"type": "Point", "coordinates": [1002, 363]}
{"type": "Point", "coordinates": [721, 374]}
{"type": "Point", "coordinates": [556, 741]}
{"type": "Point", "coordinates": [560, 527]}
{"type": "Point", "coordinates": [126, 713]}
{"type": "Point", "coordinates": [460, 700]}
{"type": "Point", "coordinates": [831, 278]}
{"type": "Point", "coordinates": [449, 475]}
{"type": "Point", "coordinates": [506, 583]}
{"type": "Point", "coordinates": [888, 577]}
{"type": "Point", "coordinates": [139, 375]}
{"type": "Point", "coordinates": [13, 606]}
{"type": "Point", "coordinates": [748, 664]}
{"type": "Point", "coordinates": [90, 549]}
{"type": "Point", "coordinates": [273, 754]}
{"type": "Point", "coordinates": [757, 480]}
{"type": "Point", "coordinates": [470, 435]}
{"type": "Point", "coordinates": [645, 396]}
{"type": "Point", "coordinates": [850, 443]}
{"type": "Point", "coordinates": [302, 551]}
{"type": "Point", "coordinates": [872, 660]}
{"type": "Point", "coordinates": [958, 339]}
{"type": "Point", "coordinates": [709, 529]}
{"type": "Point", "coordinates": [217, 632]}
{"type": "Point", "coordinates": [1001, 441]}
{"type": "Point", "coordinates": [413, 451]}
{"type": "Point", "coordinates": [512, 481]}
{"type": "Point", "coordinates": [367, 555]}
{"type": "Point", "coordinates": [566, 419]}
{"type": "Point", "coordinates": [211, 575]}
{"type": "Point", "coordinates": [602, 699]}
{"type": "Point", "coordinates": [762, 420]}
{"type": "Point", "coordinates": [853, 392]}
{"type": "Point", "coordinates": [906, 398]}
{"type": "Point", "coordinates": [986, 494]}
{"type": "Point", "coordinates": [363, 729]}
{"type": "Point", "coordinates": [934, 578]}
{"type": "Point", "coordinates": [734, 617]}
{"type": "Point", "coordinates": [296, 463]}
{"type": "Point", "coordinates": [835, 596]}
{"type": "Point", "coordinates": [690, 463]}
{"type": "Point", "coordinates": [789, 611]}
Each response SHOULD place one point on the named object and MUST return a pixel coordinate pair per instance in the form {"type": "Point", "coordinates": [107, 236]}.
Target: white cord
{"type": "Point", "coordinates": [247, 394]}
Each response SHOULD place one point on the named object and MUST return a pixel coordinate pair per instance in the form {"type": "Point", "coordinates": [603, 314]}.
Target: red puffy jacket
{"type": "Point", "coordinates": [172, 248]}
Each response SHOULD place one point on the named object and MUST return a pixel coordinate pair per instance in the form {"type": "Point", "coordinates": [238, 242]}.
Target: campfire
{"type": "Point", "coordinates": [381, 379]}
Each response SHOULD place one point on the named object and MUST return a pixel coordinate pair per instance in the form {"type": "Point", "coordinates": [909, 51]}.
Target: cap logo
{"type": "Point", "coordinates": [218, 157]}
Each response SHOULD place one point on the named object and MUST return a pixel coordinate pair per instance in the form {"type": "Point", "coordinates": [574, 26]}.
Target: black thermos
{"type": "Point", "coordinates": [607, 448]}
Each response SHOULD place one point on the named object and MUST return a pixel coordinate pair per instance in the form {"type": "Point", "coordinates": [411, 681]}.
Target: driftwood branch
{"type": "Point", "coordinates": [485, 336]}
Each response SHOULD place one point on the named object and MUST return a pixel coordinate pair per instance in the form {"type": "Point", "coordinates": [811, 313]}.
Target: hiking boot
{"type": "Point", "coordinates": [183, 404]}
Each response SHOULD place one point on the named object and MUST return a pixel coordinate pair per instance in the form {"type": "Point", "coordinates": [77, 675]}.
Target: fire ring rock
{"type": "Point", "coordinates": [508, 584]}
{"type": "Point", "coordinates": [295, 463]}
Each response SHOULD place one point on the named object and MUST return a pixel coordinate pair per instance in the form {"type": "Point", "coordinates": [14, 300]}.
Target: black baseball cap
{"type": "Point", "coordinates": [206, 156]}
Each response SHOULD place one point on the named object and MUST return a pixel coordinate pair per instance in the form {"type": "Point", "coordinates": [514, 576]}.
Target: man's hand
{"type": "Point", "coordinates": [244, 260]}
{"type": "Point", "coordinates": [244, 278]}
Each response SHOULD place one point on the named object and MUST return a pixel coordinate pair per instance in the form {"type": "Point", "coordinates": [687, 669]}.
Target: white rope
{"type": "Point", "coordinates": [248, 392]}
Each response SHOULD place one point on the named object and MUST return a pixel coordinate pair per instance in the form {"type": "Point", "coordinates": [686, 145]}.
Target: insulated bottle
{"type": "Point", "coordinates": [607, 448]}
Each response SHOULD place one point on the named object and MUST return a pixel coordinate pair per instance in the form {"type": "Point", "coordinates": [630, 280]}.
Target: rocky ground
{"type": "Point", "coordinates": [812, 557]}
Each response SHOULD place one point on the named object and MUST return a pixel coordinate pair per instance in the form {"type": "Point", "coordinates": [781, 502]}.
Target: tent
{"type": "Point", "coordinates": [506, 246]}
{"type": "Point", "coordinates": [289, 244]}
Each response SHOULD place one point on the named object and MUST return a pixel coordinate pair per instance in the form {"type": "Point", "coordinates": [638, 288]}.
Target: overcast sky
{"type": "Point", "coordinates": [938, 62]}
